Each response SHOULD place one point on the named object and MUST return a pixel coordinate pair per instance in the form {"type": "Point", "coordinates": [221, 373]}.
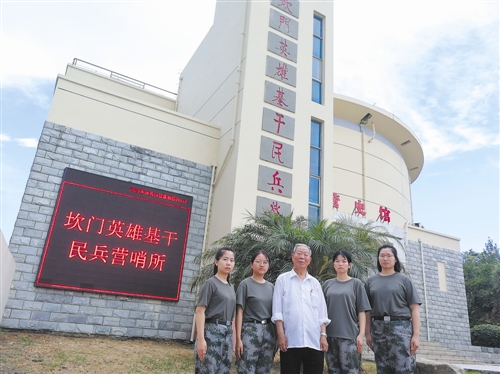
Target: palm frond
{"type": "Point", "coordinates": [277, 235]}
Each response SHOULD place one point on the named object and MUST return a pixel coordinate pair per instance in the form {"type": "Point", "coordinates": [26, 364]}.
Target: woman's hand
{"type": "Point", "coordinates": [239, 348]}
{"type": "Point", "coordinates": [415, 343]}
{"type": "Point", "coordinates": [369, 341]}
{"type": "Point", "coordinates": [359, 342]}
{"type": "Point", "coordinates": [415, 322]}
{"type": "Point", "coordinates": [202, 348]}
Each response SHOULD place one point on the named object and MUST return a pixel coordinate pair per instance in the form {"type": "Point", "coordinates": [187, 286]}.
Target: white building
{"type": "Point", "coordinates": [254, 126]}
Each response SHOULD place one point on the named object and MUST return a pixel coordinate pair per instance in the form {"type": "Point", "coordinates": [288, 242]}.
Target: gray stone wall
{"type": "Point", "coordinates": [30, 307]}
{"type": "Point", "coordinates": [448, 319]}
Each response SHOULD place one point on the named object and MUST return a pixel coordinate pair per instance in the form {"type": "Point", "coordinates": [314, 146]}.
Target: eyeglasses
{"type": "Point", "coordinates": [258, 262]}
{"type": "Point", "coordinates": [299, 254]}
{"type": "Point", "coordinates": [386, 256]}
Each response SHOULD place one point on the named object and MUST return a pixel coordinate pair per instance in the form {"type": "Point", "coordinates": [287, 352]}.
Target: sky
{"type": "Point", "coordinates": [434, 65]}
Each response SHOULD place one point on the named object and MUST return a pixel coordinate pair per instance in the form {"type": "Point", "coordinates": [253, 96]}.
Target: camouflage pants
{"type": "Point", "coordinates": [258, 348]}
{"type": "Point", "coordinates": [219, 354]}
{"type": "Point", "coordinates": [342, 356]}
{"type": "Point", "coordinates": [391, 345]}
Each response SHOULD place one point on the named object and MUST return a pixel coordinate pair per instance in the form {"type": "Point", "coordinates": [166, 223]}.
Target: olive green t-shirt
{"type": "Point", "coordinates": [391, 295]}
{"type": "Point", "coordinates": [219, 298]}
{"type": "Point", "coordinates": [344, 301]}
{"type": "Point", "coordinates": [256, 299]}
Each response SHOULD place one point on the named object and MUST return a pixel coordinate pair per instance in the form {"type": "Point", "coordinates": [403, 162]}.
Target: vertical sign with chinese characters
{"type": "Point", "coordinates": [275, 181]}
{"type": "Point", "coordinates": [276, 151]}
{"type": "Point", "coordinates": [280, 67]}
{"type": "Point", "coordinates": [275, 206]}
{"type": "Point", "coordinates": [284, 24]}
{"type": "Point", "coordinates": [279, 96]}
{"type": "Point", "coordinates": [281, 71]}
{"type": "Point", "coordinates": [282, 46]}
{"type": "Point", "coordinates": [277, 123]}
{"type": "Point", "coordinates": [288, 6]}
{"type": "Point", "coordinates": [115, 237]}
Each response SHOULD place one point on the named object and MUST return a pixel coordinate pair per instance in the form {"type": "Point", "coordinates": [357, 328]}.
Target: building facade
{"type": "Point", "coordinates": [254, 126]}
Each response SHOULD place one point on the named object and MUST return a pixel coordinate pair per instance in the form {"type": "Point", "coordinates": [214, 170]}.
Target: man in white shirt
{"type": "Point", "coordinates": [300, 315]}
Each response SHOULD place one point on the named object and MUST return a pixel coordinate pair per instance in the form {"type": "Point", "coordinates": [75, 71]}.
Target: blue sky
{"type": "Point", "coordinates": [435, 65]}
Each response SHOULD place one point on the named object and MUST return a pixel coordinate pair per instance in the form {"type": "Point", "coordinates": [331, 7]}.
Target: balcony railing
{"type": "Point", "coordinates": [123, 78]}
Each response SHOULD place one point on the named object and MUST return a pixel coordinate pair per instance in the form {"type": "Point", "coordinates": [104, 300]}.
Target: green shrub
{"type": "Point", "coordinates": [485, 336]}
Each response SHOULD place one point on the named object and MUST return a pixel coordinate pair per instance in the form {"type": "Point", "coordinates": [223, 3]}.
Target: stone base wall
{"type": "Point", "coordinates": [30, 307]}
{"type": "Point", "coordinates": [447, 321]}
{"type": "Point", "coordinates": [486, 354]}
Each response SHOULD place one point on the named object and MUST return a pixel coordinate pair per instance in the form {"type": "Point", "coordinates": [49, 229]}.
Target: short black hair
{"type": "Point", "coordinates": [344, 254]}
{"type": "Point", "coordinates": [260, 252]}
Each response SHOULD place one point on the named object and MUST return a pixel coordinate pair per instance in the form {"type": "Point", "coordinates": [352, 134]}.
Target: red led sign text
{"type": "Point", "coordinates": [115, 237]}
{"type": "Point", "coordinates": [118, 255]}
{"type": "Point", "coordinates": [133, 231]}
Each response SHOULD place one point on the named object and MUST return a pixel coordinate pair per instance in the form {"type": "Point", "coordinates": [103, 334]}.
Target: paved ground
{"type": "Point", "coordinates": [490, 368]}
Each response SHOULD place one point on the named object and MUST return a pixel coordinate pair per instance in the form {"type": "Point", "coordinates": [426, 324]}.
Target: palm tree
{"type": "Point", "coordinates": [277, 235]}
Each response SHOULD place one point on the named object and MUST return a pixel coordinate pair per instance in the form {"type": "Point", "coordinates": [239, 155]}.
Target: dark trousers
{"type": "Point", "coordinates": [311, 359]}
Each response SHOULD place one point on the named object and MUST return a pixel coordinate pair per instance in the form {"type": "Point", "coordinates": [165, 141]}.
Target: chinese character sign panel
{"type": "Point", "coordinates": [115, 237]}
{"type": "Point", "coordinates": [276, 151]}
{"type": "Point", "coordinates": [277, 123]}
{"type": "Point", "coordinates": [282, 47]}
{"type": "Point", "coordinates": [275, 206]}
{"type": "Point", "coordinates": [275, 181]}
{"type": "Point", "coordinates": [289, 6]}
{"type": "Point", "coordinates": [281, 71]}
{"type": "Point", "coordinates": [279, 96]}
{"type": "Point", "coordinates": [284, 24]}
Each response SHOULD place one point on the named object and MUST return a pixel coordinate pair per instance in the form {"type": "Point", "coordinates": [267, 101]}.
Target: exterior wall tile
{"type": "Point", "coordinates": [447, 319]}
{"type": "Point", "coordinates": [30, 307]}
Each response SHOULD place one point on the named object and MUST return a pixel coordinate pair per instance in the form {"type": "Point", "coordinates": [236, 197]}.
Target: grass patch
{"type": "Point", "coordinates": [44, 353]}
{"type": "Point", "coordinates": [368, 367]}
{"type": "Point", "coordinates": [79, 359]}
{"type": "Point", "coordinates": [26, 340]}
{"type": "Point", "coordinates": [148, 364]}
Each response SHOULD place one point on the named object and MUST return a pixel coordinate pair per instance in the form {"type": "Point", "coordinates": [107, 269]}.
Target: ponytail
{"type": "Point", "coordinates": [218, 255]}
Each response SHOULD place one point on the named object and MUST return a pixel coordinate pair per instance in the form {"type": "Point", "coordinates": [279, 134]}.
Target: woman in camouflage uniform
{"type": "Point", "coordinates": [255, 335]}
{"type": "Point", "coordinates": [347, 303]}
{"type": "Point", "coordinates": [393, 325]}
{"type": "Point", "coordinates": [214, 314]}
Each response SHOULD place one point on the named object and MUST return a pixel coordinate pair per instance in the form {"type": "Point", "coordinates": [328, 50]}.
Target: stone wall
{"type": "Point", "coordinates": [30, 307]}
{"type": "Point", "coordinates": [448, 318]}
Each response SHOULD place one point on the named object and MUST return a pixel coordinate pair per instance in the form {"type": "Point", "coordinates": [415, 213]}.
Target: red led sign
{"type": "Point", "coordinates": [115, 237]}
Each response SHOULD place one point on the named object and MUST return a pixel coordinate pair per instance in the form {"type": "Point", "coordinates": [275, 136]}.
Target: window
{"type": "Point", "coordinates": [317, 61]}
{"type": "Point", "coordinates": [315, 172]}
